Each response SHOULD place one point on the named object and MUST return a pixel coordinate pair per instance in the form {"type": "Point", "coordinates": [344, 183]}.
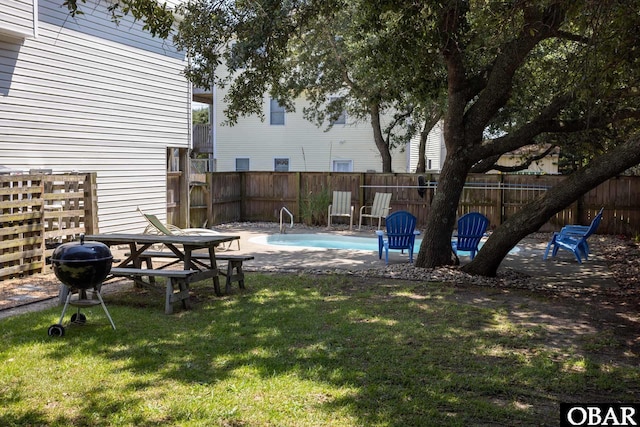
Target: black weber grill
{"type": "Point", "coordinates": [81, 266]}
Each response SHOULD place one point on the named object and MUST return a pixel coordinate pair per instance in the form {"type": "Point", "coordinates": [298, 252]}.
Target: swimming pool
{"type": "Point", "coordinates": [331, 241]}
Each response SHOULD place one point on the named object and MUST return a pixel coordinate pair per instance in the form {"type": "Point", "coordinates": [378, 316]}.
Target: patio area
{"type": "Point", "coordinates": [524, 270]}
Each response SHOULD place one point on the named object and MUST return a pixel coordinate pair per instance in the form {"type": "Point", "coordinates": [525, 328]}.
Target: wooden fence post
{"type": "Point", "coordinates": [43, 245]}
{"type": "Point", "coordinates": [208, 197]}
{"type": "Point", "coordinates": [185, 198]}
{"type": "Point", "coordinates": [500, 201]}
{"type": "Point", "coordinates": [243, 194]}
{"type": "Point", "coordinates": [298, 181]}
{"type": "Point", "coordinates": [362, 178]}
{"type": "Point", "coordinates": [90, 188]}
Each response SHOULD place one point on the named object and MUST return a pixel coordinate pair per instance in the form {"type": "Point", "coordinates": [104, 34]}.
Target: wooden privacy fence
{"type": "Point", "coordinates": [259, 196]}
{"type": "Point", "coordinates": [37, 212]}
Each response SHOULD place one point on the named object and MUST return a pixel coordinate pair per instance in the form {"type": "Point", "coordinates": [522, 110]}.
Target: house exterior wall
{"type": "Point", "coordinates": [308, 147]}
{"type": "Point", "coordinates": [18, 18]}
{"type": "Point", "coordinates": [88, 95]}
{"type": "Point", "coordinates": [311, 149]}
{"type": "Point", "coordinates": [434, 150]}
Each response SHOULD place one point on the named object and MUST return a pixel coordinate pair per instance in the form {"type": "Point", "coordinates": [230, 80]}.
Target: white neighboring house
{"type": "Point", "coordinates": [88, 95]}
{"type": "Point", "coordinates": [288, 142]}
{"type": "Point", "coordinates": [434, 150]}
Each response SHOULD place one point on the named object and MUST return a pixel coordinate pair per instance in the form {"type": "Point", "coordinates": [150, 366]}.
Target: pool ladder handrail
{"type": "Point", "coordinates": [282, 210]}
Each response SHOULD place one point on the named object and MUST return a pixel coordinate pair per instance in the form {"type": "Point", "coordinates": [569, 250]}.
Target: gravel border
{"type": "Point", "coordinates": [621, 253]}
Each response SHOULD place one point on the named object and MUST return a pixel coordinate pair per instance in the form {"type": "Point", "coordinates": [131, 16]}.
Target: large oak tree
{"type": "Point", "coordinates": [521, 71]}
{"type": "Point", "coordinates": [509, 74]}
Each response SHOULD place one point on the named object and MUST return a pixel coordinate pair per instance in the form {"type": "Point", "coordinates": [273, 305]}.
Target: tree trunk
{"type": "Point", "coordinates": [421, 166]}
{"type": "Point", "coordinates": [383, 147]}
{"type": "Point", "coordinates": [431, 119]}
{"type": "Point", "coordinates": [535, 214]}
{"type": "Point", "coordinates": [435, 249]}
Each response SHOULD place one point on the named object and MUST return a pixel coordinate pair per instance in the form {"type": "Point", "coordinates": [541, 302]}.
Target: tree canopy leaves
{"type": "Point", "coordinates": [157, 17]}
{"type": "Point", "coordinates": [503, 74]}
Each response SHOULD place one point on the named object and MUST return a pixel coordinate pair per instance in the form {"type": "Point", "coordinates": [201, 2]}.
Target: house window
{"type": "Point", "coordinates": [281, 165]}
{"type": "Point", "coordinates": [342, 118]}
{"type": "Point", "coordinates": [242, 164]}
{"type": "Point", "coordinates": [342, 166]}
{"type": "Point", "coordinates": [236, 60]}
{"type": "Point", "coordinates": [429, 161]}
{"type": "Point", "coordinates": [276, 113]}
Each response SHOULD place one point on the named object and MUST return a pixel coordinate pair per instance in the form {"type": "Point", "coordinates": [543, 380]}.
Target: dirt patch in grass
{"type": "Point", "coordinates": [605, 327]}
{"type": "Point", "coordinates": [27, 290]}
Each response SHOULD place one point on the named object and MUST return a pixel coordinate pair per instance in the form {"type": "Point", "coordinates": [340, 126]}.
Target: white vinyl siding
{"type": "Point", "coordinates": [308, 147]}
{"type": "Point", "coordinates": [435, 150]}
{"type": "Point", "coordinates": [88, 95]}
{"type": "Point", "coordinates": [18, 18]}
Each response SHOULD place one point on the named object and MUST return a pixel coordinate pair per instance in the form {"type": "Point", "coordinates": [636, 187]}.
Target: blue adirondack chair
{"type": "Point", "coordinates": [583, 230]}
{"type": "Point", "coordinates": [400, 234]}
{"type": "Point", "coordinates": [471, 228]}
{"type": "Point", "coordinates": [573, 238]}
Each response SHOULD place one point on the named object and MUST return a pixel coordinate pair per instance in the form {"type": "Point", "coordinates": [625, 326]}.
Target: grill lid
{"type": "Point", "coordinates": [82, 251]}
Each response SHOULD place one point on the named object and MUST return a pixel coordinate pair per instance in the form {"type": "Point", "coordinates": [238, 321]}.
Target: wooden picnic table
{"type": "Point", "coordinates": [195, 268]}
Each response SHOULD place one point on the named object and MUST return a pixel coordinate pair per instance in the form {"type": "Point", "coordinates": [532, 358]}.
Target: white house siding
{"type": "Point", "coordinates": [18, 18]}
{"type": "Point", "coordinates": [308, 147]}
{"type": "Point", "coordinates": [88, 95]}
{"type": "Point", "coordinates": [435, 150]}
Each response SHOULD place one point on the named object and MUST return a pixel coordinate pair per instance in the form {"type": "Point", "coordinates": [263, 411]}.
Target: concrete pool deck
{"type": "Point", "coordinates": [563, 269]}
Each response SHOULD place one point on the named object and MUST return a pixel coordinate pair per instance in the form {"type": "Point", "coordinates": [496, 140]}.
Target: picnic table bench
{"type": "Point", "coordinates": [177, 283]}
{"type": "Point", "coordinates": [233, 272]}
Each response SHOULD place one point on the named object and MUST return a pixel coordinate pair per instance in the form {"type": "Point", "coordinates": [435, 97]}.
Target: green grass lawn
{"type": "Point", "coordinates": [298, 351]}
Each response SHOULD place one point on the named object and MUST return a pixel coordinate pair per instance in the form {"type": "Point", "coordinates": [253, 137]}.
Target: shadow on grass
{"type": "Point", "coordinates": [375, 352]}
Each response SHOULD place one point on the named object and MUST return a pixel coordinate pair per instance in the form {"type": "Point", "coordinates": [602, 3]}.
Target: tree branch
{"type": "Point", "coordinates": [539, 24]}
{"type": "Point", "coordinates": [485, 165]}
{"type": "Point", "coordinates": [526, 133]}
{"type": "Point", "coordinates": [157, 18]}
{"type": "Point", "coordinates": [572, 37]}
{"type": "Point", "coordinates": [566, 126]}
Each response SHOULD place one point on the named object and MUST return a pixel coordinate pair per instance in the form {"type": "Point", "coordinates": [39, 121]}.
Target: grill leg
{"type": "Point", "coordinates": [66, 304]}
{"type": "Point", "coordinates": [104, 307]}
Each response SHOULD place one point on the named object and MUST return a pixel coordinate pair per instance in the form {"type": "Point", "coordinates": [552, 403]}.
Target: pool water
{"type": "Point", "coordinates": [326, 241]}
{"type": "Point", "coordinates": [331, 241]}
